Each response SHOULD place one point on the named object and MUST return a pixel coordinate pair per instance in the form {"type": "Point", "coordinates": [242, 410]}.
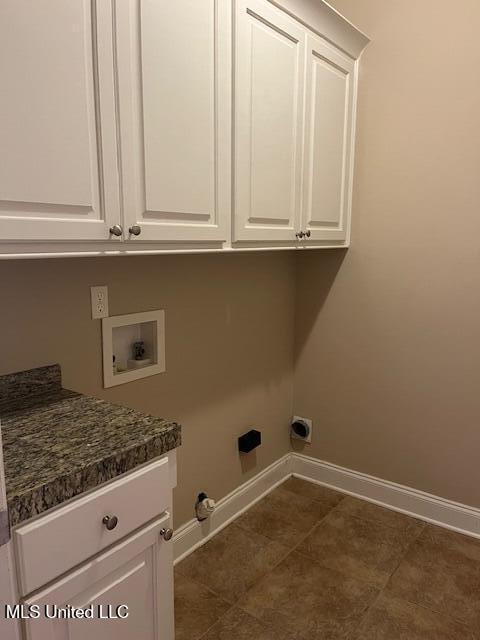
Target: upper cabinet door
{"type": "Point", "coordinates": [329, 135]}
{"type": "Point", "coordinates": [58, 159]}
{"type": "Point", "coordinates": [174, 82]}
{"type": "Point", "coordinates": [269, 87]}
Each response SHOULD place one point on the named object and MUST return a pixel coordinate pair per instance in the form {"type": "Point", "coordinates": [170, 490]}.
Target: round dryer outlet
{"type": "Point", "coordinates": [301, 429]}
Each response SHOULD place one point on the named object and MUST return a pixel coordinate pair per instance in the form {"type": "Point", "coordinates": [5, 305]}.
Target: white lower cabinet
{"type": "Point", "coordinates": [77, 531]}
{"type": "Point", "coordinates": [107, 553]}
{"type": "Point", "coordinates": [132, 581]}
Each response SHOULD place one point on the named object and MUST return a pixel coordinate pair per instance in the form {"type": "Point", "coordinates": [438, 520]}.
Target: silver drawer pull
{"type": "Point", "coordinates": [116, 230]}
{"type": "Point", "coordinates": [110, 522]}
{"type": "Point", "coordinates": [166, 534]}
{"type": "Point", "coordinates": [136, 230]}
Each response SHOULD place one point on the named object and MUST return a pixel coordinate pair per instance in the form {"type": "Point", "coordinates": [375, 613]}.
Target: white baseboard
{"type": "Point", "coordinates": [193, 534]}
{"type": "Point", "coordinates": [444, 513]}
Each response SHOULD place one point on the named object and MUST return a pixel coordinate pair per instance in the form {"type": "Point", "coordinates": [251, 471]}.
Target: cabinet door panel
{"type": "Point", "coordinates": [137, 572]}
{"type": "Point", "coordinates": [330, 88]}
{"type": "Point", "coordinates": [269, 120]}
{"type": "Point", "coordinates": [175, 92]}
{"type": "Point", "coordinates": [58, 165]}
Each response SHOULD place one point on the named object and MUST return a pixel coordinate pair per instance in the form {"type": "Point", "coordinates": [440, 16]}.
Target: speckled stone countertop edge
{"type": "Point", "coordinates": [40, 499]}
{"type": "Point", "coordinates": [59, 444]}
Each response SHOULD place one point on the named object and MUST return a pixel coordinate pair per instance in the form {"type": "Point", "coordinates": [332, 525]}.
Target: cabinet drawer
{"type": "Point", "coordinates": [52, 545]}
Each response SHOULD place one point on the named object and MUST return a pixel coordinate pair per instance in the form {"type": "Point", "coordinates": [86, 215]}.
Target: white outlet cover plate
{"type": "Point", "coordinates": [308, 422]}
{"type": "Point", "coordinates": [99, 296]}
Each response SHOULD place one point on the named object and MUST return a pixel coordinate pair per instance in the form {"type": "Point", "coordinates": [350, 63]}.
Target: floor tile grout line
{"type": "Point", "coordinates": [204, 586]}
{"type": "Point", "coordinates": [341, 572]}
{"type": "Point", "coordinates": [345, 574]}
{"type": "Point", "coordinates": [382, 590]}
{"type": "Point", "coordinates": [314, 499]}
{"type": "Point", "coordinates": [233, 606]}
{"type": "Point", "coordinates": [392, 594]}
{"type": "Point", "coordinates": [215, 593]}
{"type": "Point", "coordinates": [245, 528]}
{"type": "Point", "coordinates": [386, 592]}
{"type": "Point", "coordinates": [234, 603]}
{"type": "Point", "coordinates": [288, 551]}
{"type": "Point", "coordinates": [294, 549]}
{"type": "Point", "coordinates": [373, 520]}
{"type": "Point", "coordinates": [458, 621]}
{"type": "Point", "coordinates": [304, 537]}
{"type": "Point", "coordinates": [337, 508]}
{"type": "Point", "coordinates": [404, 555]}
{"type": "Point", "coordinates": [363, 616]}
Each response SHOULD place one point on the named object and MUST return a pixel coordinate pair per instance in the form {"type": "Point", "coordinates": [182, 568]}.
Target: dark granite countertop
{"type": "Point", "coordinates": [58, 444]}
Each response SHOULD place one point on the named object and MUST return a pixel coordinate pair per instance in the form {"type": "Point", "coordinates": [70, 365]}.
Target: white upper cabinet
{"type": "Point", "coordinates": [172, 125]}
{"type": "Point", "coordinates": [174, 87]}
{"type": "Point", "coordinates": [270, 52]}
{"type": "Point", "coordinates": [58, 159]}
{"type": "Point", "coordinates": [327, 176]}
{"type": "Point", "coordinates": [294, 128]}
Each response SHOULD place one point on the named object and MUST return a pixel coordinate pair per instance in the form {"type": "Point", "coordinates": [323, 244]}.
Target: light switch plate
{"type": "Point", "coordinates": [99, 297]}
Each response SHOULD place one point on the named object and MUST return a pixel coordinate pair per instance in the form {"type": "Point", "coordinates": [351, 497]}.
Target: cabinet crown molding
{"type": "Point", "coordinates": [327, 22]}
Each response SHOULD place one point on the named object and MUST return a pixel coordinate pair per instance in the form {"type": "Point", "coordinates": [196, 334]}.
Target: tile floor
{"type": "Point", "coordinates": [308, 563]}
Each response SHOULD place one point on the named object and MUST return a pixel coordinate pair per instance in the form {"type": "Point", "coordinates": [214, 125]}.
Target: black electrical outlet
{"type": "Point", "coordinates": [249, 441]}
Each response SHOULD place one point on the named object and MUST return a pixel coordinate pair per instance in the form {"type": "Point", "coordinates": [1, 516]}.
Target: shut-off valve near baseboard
{"type": "Point", "coordinates": [204, 507]}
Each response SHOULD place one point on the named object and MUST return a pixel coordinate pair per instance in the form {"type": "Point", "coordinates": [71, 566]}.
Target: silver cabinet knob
{"type": "Point", "coordinates": [308, 233]}
{"type": "Point", "coordinates": [110, 522]}
{"type": "Point", "coordinates": [116, 230]}
{"type": "Point", "coordinates": [136, 230]}
{"type": "Point", "coordinates": [299, 235]}
{"type": "Point", "coordinates": [166, 534]}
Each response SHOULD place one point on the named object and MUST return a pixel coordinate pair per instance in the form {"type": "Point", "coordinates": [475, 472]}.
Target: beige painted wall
{"type": "Point", "coordinates": [388, 342]}
{"type": "Point", "coordinates": [387, 334]}
{"type": "Point", "coordinates": [229, 327]}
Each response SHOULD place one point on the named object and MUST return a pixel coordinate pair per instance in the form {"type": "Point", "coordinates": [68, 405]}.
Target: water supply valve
{"type": "Point", "coordinates": [204, 507]}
